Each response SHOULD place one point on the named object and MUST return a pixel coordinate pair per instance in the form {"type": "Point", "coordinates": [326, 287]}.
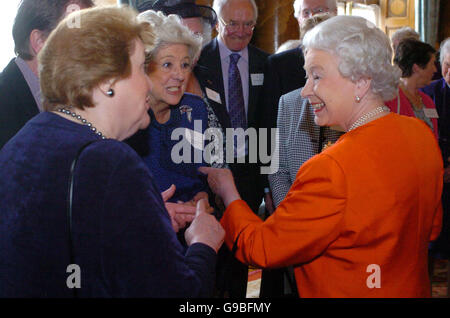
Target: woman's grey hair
{"type": "Point", "coordinates": [170, 30]}
{"type": "Point", "coordinates": [402, 34]}
{"type": "Point", "coordinates": [364, 51]}
{"type": "Point", "coordinates": [444, 50]}
{"type": "Point", "coordinates": [219, 4]}
{"type": "Point", "coordinates": [332, 5]}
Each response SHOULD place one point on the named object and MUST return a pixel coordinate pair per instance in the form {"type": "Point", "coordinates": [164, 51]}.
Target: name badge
{"type": "Point", "coordinates": [257, 79]}
{"type": "Point", "coordinates": [430, 112]}
{"type": "Point", "coordinates": [212, 95]}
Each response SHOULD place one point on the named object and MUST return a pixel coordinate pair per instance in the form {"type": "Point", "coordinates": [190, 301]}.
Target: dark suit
{"type": "Point", "coordinates": [17, 104]}
{"type": "Point", "coordinates": [232, 275]}
{"type": "Point", "coordinates": [245, 175]}
{"type": "Point", "coordinates": [284, 73]}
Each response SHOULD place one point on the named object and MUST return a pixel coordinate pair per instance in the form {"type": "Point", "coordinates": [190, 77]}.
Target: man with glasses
{"type": "Point", "coordinates": [239, 70]}
{"type": "Point", "coordinates": [304, 9]}
{"type": "Point", "coordinates": [284, 74]}
{"type": "Point", "coordinates": [285, 70]}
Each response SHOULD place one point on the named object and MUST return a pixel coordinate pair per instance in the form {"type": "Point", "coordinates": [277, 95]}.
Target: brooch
{"type": "Point", "coordinates": [327, 145]}
{"type": "Point", "coordinates": [186, 110]}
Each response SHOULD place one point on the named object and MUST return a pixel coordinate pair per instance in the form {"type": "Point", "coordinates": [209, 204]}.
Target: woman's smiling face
{"type": "Point", "coordinates": [169, 73]}
{"type": "Point", "coordinates": [330, 94]}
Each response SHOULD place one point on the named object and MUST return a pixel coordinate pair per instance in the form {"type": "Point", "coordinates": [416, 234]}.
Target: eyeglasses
{"type": "Point", "coordinates": [309, 13]}
{"type": "Point", "coordinates": [234, 26]}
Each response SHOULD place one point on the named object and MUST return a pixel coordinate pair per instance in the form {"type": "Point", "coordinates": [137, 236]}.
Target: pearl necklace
{"type": "Point", "coordinates": [363, 119]}
{"type": "Point", "coordinates": [84, 121]}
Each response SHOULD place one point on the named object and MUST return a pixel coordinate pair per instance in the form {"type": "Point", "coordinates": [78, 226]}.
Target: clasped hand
{"type": "Point", "coordinates": [204, 227]}
{"type": "Point", "coordinates": [182, 213]}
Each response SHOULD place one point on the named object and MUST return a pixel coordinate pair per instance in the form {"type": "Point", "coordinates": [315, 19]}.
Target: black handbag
{"type": "Point", "coordinates": [69, 206]}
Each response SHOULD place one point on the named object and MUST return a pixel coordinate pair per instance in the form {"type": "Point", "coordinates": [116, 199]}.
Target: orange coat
{"type": "Point", "coordinates": [372, 198]}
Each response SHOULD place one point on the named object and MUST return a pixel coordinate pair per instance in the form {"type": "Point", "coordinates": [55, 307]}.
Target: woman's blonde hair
{"type": "Point", "coordinates": [170, 30]}
{"type": "Point", "coordinates": [79, 56]}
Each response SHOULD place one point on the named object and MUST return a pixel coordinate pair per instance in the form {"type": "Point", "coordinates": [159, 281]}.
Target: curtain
{"type": "Point", "coordinates": [427, 20]}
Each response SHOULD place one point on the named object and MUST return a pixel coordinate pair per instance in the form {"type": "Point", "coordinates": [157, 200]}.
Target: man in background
{"type": "Point", "coordinates": [20, 97]}
{"type": "Point", "coordinates": [239, 66]}
{"type": "Point", "coordinates": [285, 73]}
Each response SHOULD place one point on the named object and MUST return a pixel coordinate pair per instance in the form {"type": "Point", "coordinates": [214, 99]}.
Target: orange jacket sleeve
{"type": "Point", "coordinates": [306, 222]}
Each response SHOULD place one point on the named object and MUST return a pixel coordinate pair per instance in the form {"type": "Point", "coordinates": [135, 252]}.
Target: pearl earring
{"type": "Point", "coordinates": [358, 99]}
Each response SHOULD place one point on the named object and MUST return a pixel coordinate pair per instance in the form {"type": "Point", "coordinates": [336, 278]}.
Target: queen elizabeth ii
{"type": "Point", "coordinates": [359, 216]}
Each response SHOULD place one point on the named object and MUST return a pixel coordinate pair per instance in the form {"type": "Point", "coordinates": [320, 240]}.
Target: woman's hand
{"type": "Point", "coordinates": [205, 229]}
{"type": "Point", "coordinates": [221, 182]}
{"type": "Point", "coordinates": [203, 195]}
{"type": "Point", "coordinates": [180, 214]}
{"type": "Point", "coordinates": [198, 197]}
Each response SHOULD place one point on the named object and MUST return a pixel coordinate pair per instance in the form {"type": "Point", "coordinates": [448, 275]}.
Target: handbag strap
{"type": "Point", "coordinates": [69, 205]}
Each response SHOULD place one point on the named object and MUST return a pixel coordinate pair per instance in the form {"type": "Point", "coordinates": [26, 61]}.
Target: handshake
{"type": "Point", "coordinates": [204, 227]}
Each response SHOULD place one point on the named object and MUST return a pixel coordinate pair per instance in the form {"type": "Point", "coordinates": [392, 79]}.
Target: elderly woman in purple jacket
{"type": "Point", "coordinates": [98, 226]}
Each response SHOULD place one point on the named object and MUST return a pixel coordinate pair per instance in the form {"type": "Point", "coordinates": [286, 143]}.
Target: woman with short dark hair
{"type": "Point", "coordinates": [416, 60]}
